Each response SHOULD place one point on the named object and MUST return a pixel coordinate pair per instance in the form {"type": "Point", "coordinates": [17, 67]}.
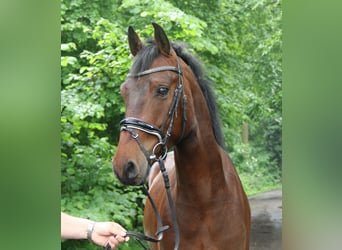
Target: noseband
{"type": "Point", "coordinates": [132, 124]}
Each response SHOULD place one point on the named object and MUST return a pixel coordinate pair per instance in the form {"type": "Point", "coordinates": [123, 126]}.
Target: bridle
{"type": "Point", "coordinates": [131, 124]}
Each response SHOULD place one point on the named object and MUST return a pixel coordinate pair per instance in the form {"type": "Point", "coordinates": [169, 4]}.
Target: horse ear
{"type": "Point", "coordinates": [134, 41]}
{"type": "Point", "coordinates": [161, 40]}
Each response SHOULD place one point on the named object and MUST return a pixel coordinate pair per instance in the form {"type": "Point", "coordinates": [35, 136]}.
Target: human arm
{"type": "Point", "coordinates": [101, 233]}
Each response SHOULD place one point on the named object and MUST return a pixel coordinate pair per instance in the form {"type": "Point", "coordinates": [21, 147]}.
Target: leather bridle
{"type": "Point", "coordinates": [131, 124]}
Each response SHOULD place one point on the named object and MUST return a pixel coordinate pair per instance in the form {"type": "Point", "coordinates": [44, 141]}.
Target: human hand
{"type": "Point", "coordinates": [111, 233]}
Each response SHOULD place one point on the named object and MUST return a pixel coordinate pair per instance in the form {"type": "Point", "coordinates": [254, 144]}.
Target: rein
{"type": "Point", "coordinates": [139, 236]}
{"type": "Point", "coordinates": [131, 124]}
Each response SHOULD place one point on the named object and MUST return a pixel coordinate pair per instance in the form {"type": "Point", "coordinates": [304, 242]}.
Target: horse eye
{"type": "Point", "coordinates": [162, 91]}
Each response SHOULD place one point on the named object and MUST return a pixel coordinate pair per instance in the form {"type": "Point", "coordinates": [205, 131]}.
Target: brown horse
{"type": "Point", "coordinates": [169, 104]}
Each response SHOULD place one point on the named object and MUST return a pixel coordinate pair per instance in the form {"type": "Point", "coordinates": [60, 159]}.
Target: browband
{"type": "Point", "coordinates": [154, 70]}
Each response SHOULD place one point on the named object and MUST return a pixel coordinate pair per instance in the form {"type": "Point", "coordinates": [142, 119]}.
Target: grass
{"type": "Point", "coordinates": [259, 184]}
{"type": "Point", "coordinates": [267, 188]}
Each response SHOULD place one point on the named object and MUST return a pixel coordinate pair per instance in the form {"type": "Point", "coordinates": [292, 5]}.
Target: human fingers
{"type": "Point", "coordinates": [112, 242]}
{"type": "Point", "coordinates": [122, 237]}
{"type": "Point", "coordinates": [118, 231]}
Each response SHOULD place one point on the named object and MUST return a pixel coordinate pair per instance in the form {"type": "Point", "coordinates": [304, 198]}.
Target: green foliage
{"type": "Point", "coordinates": [257, 170]}
{"type": "Point", "coordinates": [239, 43]}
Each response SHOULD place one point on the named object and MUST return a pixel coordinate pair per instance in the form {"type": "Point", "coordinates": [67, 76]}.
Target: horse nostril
{"type": "Point", "coordinates": [130, 170]}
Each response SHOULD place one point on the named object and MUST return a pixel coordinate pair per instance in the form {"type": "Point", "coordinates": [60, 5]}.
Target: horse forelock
{"type": "Point", "coordinates": [149, 53]}
{"type": "Point", "coordinates": [145, 57]}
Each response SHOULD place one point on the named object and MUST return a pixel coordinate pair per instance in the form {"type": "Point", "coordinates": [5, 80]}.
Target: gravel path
{"type": "Point", "coordinates": [266, 227]}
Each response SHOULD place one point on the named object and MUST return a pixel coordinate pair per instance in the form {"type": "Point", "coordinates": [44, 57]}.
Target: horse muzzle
{"type": "Point", "coordinates": [131, 173]}
{"type": "Point", "coordinates": [130, 165]}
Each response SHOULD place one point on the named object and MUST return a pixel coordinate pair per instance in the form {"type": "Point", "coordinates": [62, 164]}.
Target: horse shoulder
{"type": "Point", "coordinates": [155, 170]}
{"type": "Point", "coordinates": [153, 173]}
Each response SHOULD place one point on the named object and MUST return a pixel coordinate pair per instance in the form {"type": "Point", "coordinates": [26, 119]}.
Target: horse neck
{"type": "Point", "coordinates": [198, 159]}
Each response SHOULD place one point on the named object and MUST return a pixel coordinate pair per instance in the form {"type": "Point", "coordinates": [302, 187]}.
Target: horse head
{"type": "Point", "coordinates": [155, 97]}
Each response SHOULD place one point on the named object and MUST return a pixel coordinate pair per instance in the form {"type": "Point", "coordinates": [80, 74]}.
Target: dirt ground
{"type": "Point", "coordinates": [266, 209]}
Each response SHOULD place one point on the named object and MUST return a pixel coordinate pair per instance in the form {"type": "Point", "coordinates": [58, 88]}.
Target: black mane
{"type": "Point", "coordinates": [149, 52]}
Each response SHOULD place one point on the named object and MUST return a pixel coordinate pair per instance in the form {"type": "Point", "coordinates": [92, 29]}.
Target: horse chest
{"type": "Point", "coordinates": [198, 217]}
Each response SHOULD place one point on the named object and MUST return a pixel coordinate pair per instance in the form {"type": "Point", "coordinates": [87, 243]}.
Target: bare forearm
{"type": "Point", "coordinates": [101, 233]}
{"type": "Point", "coordinates": [73, 227]}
